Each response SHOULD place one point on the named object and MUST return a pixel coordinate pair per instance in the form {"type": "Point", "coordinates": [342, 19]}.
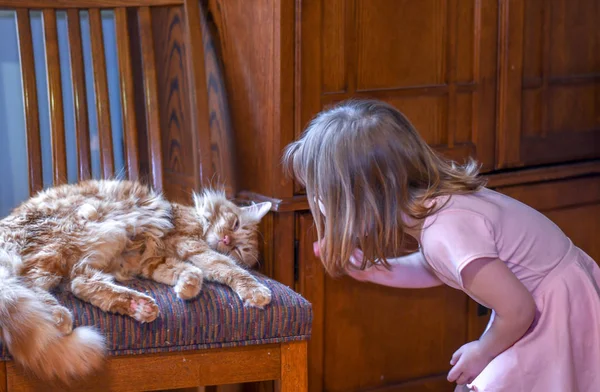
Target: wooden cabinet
{"type": "Point", "coordinates": [552, 75]}
{"type": "Point", "coordinates": [514, 83]}
{"type": "Point", "coordinates": [367, 336]}
{"type": "Point", "coordinates": [434, 60]}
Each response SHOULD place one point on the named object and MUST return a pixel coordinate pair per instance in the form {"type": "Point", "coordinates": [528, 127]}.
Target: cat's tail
{"type": "Point", "coordinates": [34, 341]}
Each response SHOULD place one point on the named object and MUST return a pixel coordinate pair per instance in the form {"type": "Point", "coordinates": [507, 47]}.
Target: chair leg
{"type": "Point", "coordinates": [294, 367]}
{"type": "Point", "coordinates": [3, 378]}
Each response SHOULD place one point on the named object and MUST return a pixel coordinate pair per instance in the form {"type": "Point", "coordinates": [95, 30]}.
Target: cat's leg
{"type": "Point", "coordinates": [222, 269]}
{"type": "Point", "coordinates": [61, 315]}
{"type": "Point", "coordinates": [185, 277]}
{"type": "Point", "coordinates": [96, 287]}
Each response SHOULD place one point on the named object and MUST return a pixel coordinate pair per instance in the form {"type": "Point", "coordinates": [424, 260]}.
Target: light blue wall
{"type": "Point", "coordinates": [13, 155]}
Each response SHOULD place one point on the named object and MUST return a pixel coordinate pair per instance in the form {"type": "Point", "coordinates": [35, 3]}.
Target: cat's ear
{"type": "Point", "coordinates": [256, 212]}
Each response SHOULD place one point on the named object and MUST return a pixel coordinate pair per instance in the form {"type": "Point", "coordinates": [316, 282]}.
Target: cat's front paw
{"type": "Point", "coordinates": [258, 296]}
{"type": "Point", "coordinates": [189, 284]}
{"type": "Point", "coordinates": [143, 310]}
{"type": "Point", "coordinates": [63, 319]}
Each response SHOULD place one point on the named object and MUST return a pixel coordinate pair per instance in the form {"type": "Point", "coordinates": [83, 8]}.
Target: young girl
{"type": "Point", "coordinates": [370, 179]}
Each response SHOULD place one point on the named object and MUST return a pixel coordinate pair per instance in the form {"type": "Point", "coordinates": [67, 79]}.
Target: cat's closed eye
{"type": "Point", "coordinates": [236, 224]}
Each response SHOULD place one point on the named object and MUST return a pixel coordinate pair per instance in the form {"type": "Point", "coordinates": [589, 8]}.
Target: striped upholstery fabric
{"type": "Point", "coordinates": [217, 318]}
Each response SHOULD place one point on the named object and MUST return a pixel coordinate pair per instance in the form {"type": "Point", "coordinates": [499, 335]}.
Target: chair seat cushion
{"type": "Point", "coordinates": [216, 318]}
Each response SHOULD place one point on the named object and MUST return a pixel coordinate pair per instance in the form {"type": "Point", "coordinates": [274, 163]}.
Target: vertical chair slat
{"type": "Point", "coordinates": [151, 96]}
{"type": "Point", "coordinates": [101, 89]}
{"type": "Point", "coordinates": [127, 94]}
{"type": "Point", "coordinates": [55, 99]}
{"type": "Point", "coordinates": [82, 130]}
{"type": "Point", "coordinates": [32, 120]}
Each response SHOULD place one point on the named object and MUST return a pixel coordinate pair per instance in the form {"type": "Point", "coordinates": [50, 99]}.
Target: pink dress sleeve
{"type": "Point", "coordinates": [452, 239]}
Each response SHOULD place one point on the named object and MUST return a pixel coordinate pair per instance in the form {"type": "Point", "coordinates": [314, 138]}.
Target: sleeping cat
{"type": "Point", "coordinates": [90, 234]}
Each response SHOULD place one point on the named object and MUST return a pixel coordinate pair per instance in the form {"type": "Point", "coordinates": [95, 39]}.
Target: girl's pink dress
{"type": "Point", "coordinates": [561, 350]}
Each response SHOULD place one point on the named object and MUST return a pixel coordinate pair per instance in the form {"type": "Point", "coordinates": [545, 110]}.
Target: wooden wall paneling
{"type": "Point", "coordinates": [32, 120]}
{"type": "Point", "coordinates": [549, 82]}
{"type": "Point", "coordinates": [258, 78]}
{"type": "Point", "coordinates": [101, 89]}
{"type": "Point", "coordinates": [3, 378]}
{"type": "Point", "coordinates": [510, 62]}
{"type": "Point", "coordinates": [406, 336]}
{"type": "Point", "coordinates": [444, 81]}
{"type": "Point", "coordinates": [311, 284]}
{"type": "Point", "coordinates": [82, 131]}
{"type": "Point", "coordinates": [130, 136]}
{"type": "Point", "coordinates": [55, 99]}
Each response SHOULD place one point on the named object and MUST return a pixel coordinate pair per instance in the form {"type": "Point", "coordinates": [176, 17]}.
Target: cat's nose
{"type": "Point", "coordinates": [226, 240]}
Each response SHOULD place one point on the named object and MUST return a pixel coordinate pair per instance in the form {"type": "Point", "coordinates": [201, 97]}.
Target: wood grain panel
{"type": "Point", "coordinates": [335, 12]}
{"type": "Point", "coordinates": [468, 34]}
{"type": "Point", "coordinates": [3, 380]}
{"type": "Point", "coordinates": [85, 3]}
{"type": "Point", "coordinates": [348, 313]}
{"type": "Point", "coordinates": [55, 99]}
{"type": "Point", "coordinates": [449, 93]}
{"type": "Point", "coordinates": [32, 120]}
{"type": "Point", "coordinates": [510, 63]}
{"type": "Point", "coordinates": [572, 36]}
{"type": "Point", "coordinates": [82, 130]}
{"type": "Point", "coordinates": [432, 325]}
{"type": "Point", "coordinates": [383, 27]}
{"type": "Point", "coordinates": [199, 92]}
{"type": "Point", "coordinates": [101, 89]}
{"type": "Point", "coordinates": [549, 111]}
{"type": "Point", "coordinates": [171, 53]}
{"type": "Point", "coordinates": [169, 371]}
{"type": "Point", "coordinates": [311, 284]}
{"type": "Point", "coordinates": [130, 136]}
{"type": "Point", "coordinates": [260, 80]}
{"type": "Point", "coordinates": [151, 97]}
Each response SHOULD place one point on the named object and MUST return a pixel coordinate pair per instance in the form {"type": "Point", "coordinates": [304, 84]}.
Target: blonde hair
{"type": "Point", "coordinates": [368, 166]}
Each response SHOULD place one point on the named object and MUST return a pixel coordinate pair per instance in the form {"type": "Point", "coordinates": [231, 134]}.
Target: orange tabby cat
{"type": "Point", "coordinates": [93, 233]}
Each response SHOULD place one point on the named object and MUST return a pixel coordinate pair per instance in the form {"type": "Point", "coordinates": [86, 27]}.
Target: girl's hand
{"type": "Point", "coordinates": [468, 361]}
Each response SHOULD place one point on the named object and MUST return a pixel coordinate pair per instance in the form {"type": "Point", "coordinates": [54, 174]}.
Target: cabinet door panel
{"type": "Point", "coordinates": [552, 67]}
{"type": "Point", "coordinates": [367, 336]}
{"type": "Point", "coordinates": [435, 60]}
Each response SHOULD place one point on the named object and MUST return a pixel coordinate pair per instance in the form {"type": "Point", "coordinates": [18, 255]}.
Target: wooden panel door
{"type": "Point", "coordinates": [549, 103]}
{"type": "Point", "coordinates": [435, 60]}
{"type": "Point", "coordinates": [370, 337]}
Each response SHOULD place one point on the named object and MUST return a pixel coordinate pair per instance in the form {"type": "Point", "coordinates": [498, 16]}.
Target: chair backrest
{"type": "Point", "coordinates": [163, 93]}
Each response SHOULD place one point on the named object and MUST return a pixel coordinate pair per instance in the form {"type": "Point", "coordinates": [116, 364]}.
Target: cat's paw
{"type": "Point", "coordinates": [63, 319]}
{"type": "Point", "coordinates": [258, 296]}
{"type": "Point", "coordinates": [189, 284]}
{"type": "Point", "coordinates": [143, 310]}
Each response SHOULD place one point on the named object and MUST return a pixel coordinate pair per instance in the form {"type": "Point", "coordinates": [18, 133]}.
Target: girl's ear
{"type": "Point", "coordinates": [256, 212]}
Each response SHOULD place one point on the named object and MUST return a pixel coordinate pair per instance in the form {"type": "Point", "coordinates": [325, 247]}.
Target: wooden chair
{"type": "Point", "coordinates": [169, 116]}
